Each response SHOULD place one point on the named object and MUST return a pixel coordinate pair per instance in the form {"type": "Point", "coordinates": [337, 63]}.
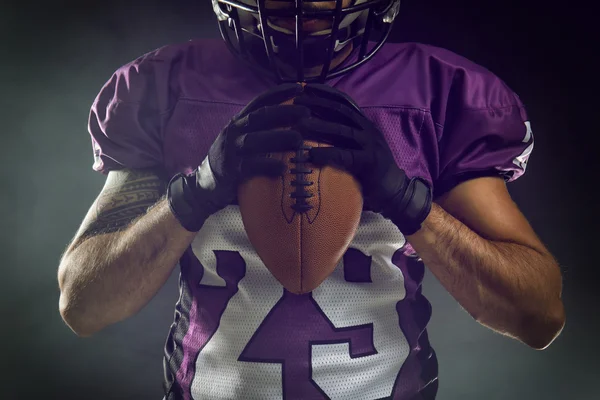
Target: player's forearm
{"type": "Point", "coordinates": [508, 287]}
{"type": "Point", "coordinates": [110, 277]}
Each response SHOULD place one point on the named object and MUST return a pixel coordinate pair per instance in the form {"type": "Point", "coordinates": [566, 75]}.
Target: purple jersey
{"type": "Point", "coordinates": [362, 333]}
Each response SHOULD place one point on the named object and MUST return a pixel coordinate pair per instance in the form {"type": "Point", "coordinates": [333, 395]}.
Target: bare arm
{"type": "Point", "coordinates": [485, 253]}
{"type": "Point", "coordinates": [123, 253]}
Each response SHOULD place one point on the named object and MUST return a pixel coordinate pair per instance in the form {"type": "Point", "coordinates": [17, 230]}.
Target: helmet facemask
{"type": "Point", "coordinates": [275, 37]}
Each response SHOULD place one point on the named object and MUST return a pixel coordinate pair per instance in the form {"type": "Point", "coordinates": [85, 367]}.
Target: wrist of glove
{"type": "Point", "coordinates": [192, 198]}
{"type": "Point", "coordinates": [410, 207]}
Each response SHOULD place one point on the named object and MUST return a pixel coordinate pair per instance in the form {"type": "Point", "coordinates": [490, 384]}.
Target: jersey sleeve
{"type": "Point", "coordinates": [487, 133]}
{"type": "Point", "coordinates": [125, 119]}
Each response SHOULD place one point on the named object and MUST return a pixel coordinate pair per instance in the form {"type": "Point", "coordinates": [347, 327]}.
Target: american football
{"type": "Point", "coordinates": [302, 224]}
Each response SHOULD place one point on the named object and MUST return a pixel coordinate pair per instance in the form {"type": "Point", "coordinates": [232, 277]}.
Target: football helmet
{"type": "Point", "coordinates": [286, 39]}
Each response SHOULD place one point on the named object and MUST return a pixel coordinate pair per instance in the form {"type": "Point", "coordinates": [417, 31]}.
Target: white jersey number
{"type": "Point", "coordinates": [342, 341]}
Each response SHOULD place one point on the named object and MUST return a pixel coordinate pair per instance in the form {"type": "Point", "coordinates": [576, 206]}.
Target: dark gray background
{"type": "Point", "coordinates": [54, 59]}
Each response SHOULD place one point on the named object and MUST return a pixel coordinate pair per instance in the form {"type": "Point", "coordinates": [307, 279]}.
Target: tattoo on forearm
{"type": "Point", "coordinates": [126, 196]}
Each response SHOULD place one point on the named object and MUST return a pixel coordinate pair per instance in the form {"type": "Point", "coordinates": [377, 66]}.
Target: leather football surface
{"type": "Point", "coordinates": [302, 223]}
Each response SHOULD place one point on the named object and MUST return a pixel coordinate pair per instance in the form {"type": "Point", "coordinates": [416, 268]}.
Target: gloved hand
{"type": "Point", "coordinates": [361, 149]}
{"type": "Point", "coordinates": [235, 156]}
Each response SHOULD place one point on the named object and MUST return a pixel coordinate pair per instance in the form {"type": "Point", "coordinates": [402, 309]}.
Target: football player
{"type": "Point", "coordinates": [433, 139]}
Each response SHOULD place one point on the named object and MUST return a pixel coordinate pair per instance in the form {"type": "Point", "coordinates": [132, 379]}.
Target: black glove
{"type": "Point", "coordinates": [236, 155]}
{"type": "Point", "coordinates": [361, 149]}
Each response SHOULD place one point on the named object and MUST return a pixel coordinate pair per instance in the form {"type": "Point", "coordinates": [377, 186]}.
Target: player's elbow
{"type": "Point", "coordinates": [540, 342]}
{"type": "Point", "coordinates": [543, 333]}
{"type": "Point", "coordinates": [73, 310]}
{"type": "Point", "coordinates": [70, 304]}
{"type": "Point", "coordinates": [74, 318]}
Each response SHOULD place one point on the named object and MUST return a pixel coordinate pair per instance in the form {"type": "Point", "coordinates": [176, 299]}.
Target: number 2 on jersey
{"type": "Point", "coordinates": [342, 341]}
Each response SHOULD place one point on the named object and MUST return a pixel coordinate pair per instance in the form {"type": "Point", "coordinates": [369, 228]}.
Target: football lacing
{"type": "Point", "coordinates": [300, 193]}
